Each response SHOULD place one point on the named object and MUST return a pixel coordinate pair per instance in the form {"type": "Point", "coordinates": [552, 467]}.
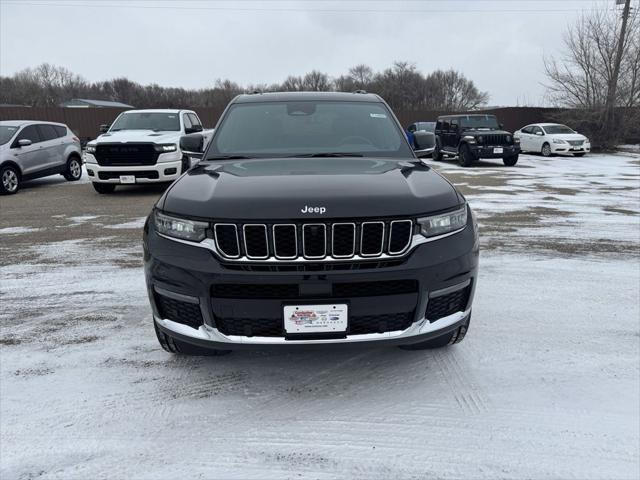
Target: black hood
{"type": "Point", "coordinates": [474, 131]}
{"type": "Point", "coordinates": [279, 188]}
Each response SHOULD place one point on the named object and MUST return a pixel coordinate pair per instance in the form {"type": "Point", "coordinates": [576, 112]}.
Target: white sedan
{"type": "Point", "coordinates": [552, 138]}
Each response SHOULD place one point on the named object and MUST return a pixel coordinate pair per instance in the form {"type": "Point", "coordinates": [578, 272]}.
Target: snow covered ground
{"type": "Point", "coordinates": [545, 385]}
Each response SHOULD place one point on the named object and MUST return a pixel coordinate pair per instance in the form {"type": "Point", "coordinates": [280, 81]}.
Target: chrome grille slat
{"type": "Point", "coordinates": [366, 236]}
{"type": "Point", "coordinates": [395, 235]}
{"type": "Point", "coordinates": [254, 244]}
{"type": "Point", "coordinates": [313, 241]}
{"type": "Point", "coordinates": [306, 240]}
{"type": "Point", "coordinates": [277, 252]}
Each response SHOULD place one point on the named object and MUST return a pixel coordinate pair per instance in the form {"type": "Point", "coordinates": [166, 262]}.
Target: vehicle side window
{"type": "Point", "coordinates": [60, 130]}
{"type": "Point", "coordinates": [28, 133]}
{"type": "Point", "coordinates": [439, 125]}
{"type": "Point", "coordinates": [445, 125]}
{"type": "Point", "coordinates": [454, 121]}
{"type": "Point", "coordinates": [525, 129]}
{"type": "Point", "coordinates": [536, 130]}
{"type": "Point", "coordinates": [187, 121]}
{"type": "Point", "coordinates": [194, 120]}
{"type": "Point", "coordinates": [47, 132]}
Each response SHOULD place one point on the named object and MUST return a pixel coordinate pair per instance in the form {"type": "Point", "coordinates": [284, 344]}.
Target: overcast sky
{"type": "Point", "coordinates": [497, 43]}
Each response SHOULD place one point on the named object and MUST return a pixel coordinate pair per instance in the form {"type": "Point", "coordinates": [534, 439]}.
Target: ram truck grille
{"type": "Point", "coordinates": [313, 241]}
{"type": "Point", "coordinates": [126, 154]}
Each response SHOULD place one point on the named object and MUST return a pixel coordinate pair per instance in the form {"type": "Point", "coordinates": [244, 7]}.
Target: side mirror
{"type": "Point", "coordinates": [501, 125]}
{"type": "Point", "coordinates": [539, 134]}
{"type": "Point", "coordinates": [104, 128]}
{"type": "Point", "coordinates": [192, 145]}
{"type": "Point", "coordinates": [25, 142]}
{"type": "Point", "coordinates": [193, 129]}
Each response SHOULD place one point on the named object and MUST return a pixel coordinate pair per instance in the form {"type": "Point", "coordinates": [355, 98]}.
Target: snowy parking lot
{"type": "Point", "coordinates": [545, 385]}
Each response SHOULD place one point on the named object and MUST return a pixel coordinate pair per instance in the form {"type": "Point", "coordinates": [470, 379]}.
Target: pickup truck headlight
{"type": "Point", "coordinates": [91, 149]}
{"type": "Point", "coordinates": [180, 227]}
{"type": "Point", "coordinates": [443, 223]}
{"type": "Point", "coordinates": [166, 147]}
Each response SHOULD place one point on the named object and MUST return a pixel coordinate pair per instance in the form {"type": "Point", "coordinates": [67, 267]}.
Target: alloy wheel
{"type": "Point", "coordinates": [10, 181]}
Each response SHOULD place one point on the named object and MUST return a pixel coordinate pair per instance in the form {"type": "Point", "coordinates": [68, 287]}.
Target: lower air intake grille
{"type": "Point", "coordinates": [273, 327]}
{"type": "Point", "coordinates": [181, 312]}
{"type": "Point", "coordinates": [444, 305]}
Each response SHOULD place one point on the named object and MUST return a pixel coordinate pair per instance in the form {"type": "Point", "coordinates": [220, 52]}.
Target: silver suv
{"type": "Point", "coordinates": [30, 149]}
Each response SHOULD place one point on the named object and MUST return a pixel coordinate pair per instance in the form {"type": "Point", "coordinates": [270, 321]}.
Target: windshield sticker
{"type": "Point", "coordinates": [377, 115]}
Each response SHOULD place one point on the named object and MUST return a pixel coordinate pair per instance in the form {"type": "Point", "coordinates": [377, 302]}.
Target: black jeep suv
{"type": "Point", "coordinates": [470, 137]}
{"type": "Point", "coordinates": [309, 221]}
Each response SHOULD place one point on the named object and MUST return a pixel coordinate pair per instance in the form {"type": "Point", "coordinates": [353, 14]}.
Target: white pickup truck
{"type": "Point", "coordinates": [141, 146]}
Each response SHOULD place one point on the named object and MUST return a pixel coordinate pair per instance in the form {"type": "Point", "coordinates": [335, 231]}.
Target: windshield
{"type": "Point", "coordinates": [160, 122]}
{"type": "Point", "coordinates": [6, 133]}
{"type": "Point", "coordinates": [479, 121]}
{"type": "Point", "coordinates": [426, 126]}
{"type": "Point", "coordinates": [309, 128]}
{"type": "Point", "coordinates": [551, 129]}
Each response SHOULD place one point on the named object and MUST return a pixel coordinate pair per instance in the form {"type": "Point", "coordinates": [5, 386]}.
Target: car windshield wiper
{"type": "Point", "coordinates": [229, 157]}
{"type": "Point", "coordinates": [325, 154]}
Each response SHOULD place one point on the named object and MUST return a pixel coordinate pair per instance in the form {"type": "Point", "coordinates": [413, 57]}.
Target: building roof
{"type": "Point", "coordinates": [96, 103]}
{"type": "Point", "coordinates": [302, 96]}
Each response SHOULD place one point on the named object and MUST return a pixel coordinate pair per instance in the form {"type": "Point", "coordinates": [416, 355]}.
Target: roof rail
{"type": "Point", "coordinates": [360, 91]}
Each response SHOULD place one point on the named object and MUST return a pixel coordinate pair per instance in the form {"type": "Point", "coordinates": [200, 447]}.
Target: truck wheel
{"type": "Point", "coordinates": [186, 164]}
{"type": "Point", "coordinates": [465, 156]}
{"type": "Point", "coordinates": [510, 161]}
{"type": "Point", "coordinates": [103, 187]}
{"type": "Point", "coordinates": [437, 154]}
{"type": "Point", "coordinates": [445, 340]}
{"type": "Point", "coordinates": [171, 345]}
{"type": "Point", "coordinates": [546, 150]}
{"type": "Point", "coordinates": [74, 169]}
{"type": "Point", "coordinates": [9, 180]}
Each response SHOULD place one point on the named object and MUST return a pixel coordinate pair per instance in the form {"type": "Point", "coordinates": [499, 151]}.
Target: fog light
{"type": "Point", "coordinates": [170, 171]}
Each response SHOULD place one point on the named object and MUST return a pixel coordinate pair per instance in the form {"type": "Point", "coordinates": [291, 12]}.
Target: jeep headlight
{"type": "Point", "coordinates": [443, 223]}
{"type": "Point", "coordinates": [166, 147]}
{"type": "Point", "coordinates": [180, 227]}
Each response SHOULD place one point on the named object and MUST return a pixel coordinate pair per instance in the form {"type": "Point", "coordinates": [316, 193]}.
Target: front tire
{"type": "Point", "coordinates": [510, 161]}
{"type": "Point", "coordinates": [465, 156]}
{"type": "Point", "coordinates": [73, 173]}
{"type": "Point", "coordinates": [448, 339]}
{"type": "Point", "coordinates": [9, 180]}
{"type": "Point", "coordinates": [103, 188]}
{"type": "Point", "coordinates": [437, 153]}
{"type": "Point", "coordinates": [546, 150]}
{"type": "Point", "coordinates": [171, 345]}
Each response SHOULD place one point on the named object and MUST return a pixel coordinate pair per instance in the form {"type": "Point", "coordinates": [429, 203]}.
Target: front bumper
{"type": "Point", "coordinates": [188, 273]}
{"type": "Point", "coordinates": [567, 148]}
{"type": "Point", "coordinates": [167, 169]}
{"type": "Point", "coordinates": [488, 151]}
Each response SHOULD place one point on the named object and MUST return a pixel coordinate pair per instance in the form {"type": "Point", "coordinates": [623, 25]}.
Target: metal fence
{"type": "Point", "coordinates": [85, 122]}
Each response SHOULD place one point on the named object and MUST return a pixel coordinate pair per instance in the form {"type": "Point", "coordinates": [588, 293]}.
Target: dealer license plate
{"type": "Point", "coordinates": [127, 179]}
{"type": "Point", "coordinates": [498, 150]}
{"type": "Point", "coordinates": [315, 318]}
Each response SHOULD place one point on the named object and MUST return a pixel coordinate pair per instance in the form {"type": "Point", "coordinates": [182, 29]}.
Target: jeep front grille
{"type": "Point", "coordinates": [313, 241]}
{"type": "Point", "coordinates": [493, 139]}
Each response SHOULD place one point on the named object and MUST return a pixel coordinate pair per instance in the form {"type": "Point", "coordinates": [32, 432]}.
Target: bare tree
{"type": "Point", "coordinates": [583, 77]}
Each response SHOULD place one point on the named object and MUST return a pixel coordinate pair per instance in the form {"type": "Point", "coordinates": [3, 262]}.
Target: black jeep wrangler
{"type": "Point", "coordinates": [471, 137]}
